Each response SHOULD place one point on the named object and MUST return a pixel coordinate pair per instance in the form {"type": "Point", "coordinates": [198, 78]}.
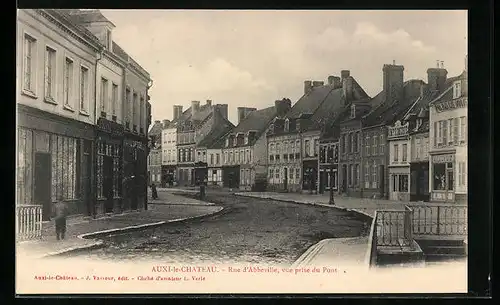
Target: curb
{"type": "Point", "coordinates": [309, 254]}
{"type": "Point", "coordinates": [100, 244]}
{"type": "Point", "coordinates": [146, 226]}
{"type": "Point", "coordinates": [309, 203]}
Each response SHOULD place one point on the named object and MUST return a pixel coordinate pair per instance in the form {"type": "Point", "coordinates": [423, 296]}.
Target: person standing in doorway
{"type": "Point", "coordinates": [60, 212]}
{"type": "Point", "coordinates": [154, 193]}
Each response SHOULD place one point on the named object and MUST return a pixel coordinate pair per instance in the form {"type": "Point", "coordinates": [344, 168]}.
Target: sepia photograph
{"type": "Point", "coordinates": [241, 151]}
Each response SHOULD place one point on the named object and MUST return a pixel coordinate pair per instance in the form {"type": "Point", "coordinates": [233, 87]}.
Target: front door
{"type": "Point", "coordinates": [108, 183]}
{"type": "Point", "coordinates": [285, 176]}
{"type": "Point", "coordinates": [344, 178]}
{"type": "Point", "coordinates": [43, 186]}
{"type": "Point", "coordinates": [86, 183]}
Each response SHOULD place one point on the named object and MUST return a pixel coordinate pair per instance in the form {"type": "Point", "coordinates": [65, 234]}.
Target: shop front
{"type": "Point", "coordinates": [419, 181]}
{"type": "Point", "coordinates": [200, 172]}
{"type": "Point", "coordinates": [399, 186]}
{"type": "Point", "coordinates": [54, 162]}
{"type": "Point", "coordinates": [168, 176]}
{"type": "Point", "coordinates": [135, 151]}
{"type": "Point", "coordinates": [328, 176]}
{"type": "Point", "coordinates": [442, 176]}
{"type": "Point", "coordinates": [310, 175]}
{"type": "Point", "coordinates": [109, 138]}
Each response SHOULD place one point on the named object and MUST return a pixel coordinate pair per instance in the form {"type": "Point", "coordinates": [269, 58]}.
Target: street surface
{"type": "Point", "coordinates": [249, 230]}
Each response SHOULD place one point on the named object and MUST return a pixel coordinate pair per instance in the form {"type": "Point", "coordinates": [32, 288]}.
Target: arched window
{"type": "Point", "coordinates": [287, 124]}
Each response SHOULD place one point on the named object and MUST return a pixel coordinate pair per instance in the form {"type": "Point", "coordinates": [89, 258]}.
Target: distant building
{"type": "Point", "coordinates": [155, 153]}
{"type": "Point", "coordinates": [244, 150]}
{"type": "Point", "coordinates": [448, 140]}
{"type": "Point", "coordinates": [169, 149]}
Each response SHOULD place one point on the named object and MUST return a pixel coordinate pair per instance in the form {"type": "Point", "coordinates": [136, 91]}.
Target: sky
{"type": "Point", "coordinates": [252, 58]}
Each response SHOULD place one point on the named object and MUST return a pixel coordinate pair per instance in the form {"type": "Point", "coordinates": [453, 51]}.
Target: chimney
{"type": "Point", "coordinates": [157, 121]}
{"type": "Point", "coordinates": [307, 86]}
{"type": "Point", "coordinates": [347, 89]}
{"type": "Point", "coordinates": [334, 81]}
{"type": "Point", "coordinates": [177, 111]}
{"type": "Point", "coordinates": [282, 106]}
{"type": "Point", "coordinates": [95, 22]}
{"type": "Point", "coordinates": [317, 83]}
{"type": "Point", "coordinates": [166, 123]}
{"type": "Point", "coordinates": [436, 77]}
{"type": "Point", "coordinates": [243, 112]}
{"type": "Point", "coordinates": [209, 103]}
{"type": "Point", "coordinates": [195, 107]}
{"type": "Point", "coordinates": [345, 74]}
{"type": "Point", "coordinates": [222, 108]}
{"type": "Point", "coordinates": [393, 82]}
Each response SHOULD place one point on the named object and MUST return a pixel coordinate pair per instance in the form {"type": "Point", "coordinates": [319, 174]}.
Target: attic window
{"type": "Point", "coordinates": [227, 142]}
{"type": "Point", "coordinates": [457, 89]}
{"type": "Point", "coordinates": [287, 124]}
{"type": "Point", "coordinates": [271, 127]}
{"type": "Point", "coordinates": [353, 111]}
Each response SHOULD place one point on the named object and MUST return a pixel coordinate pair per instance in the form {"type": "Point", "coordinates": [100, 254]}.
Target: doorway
{"type": "Point", "coordinates": [108, 183]}
{"type": "Point", "coordinates": [285, 176]}
{"type": "Point", "coordinates": [43, 185]}
{"type": "Point", "coordinates": [344, 178]}
{"type": "Point", "coordinates": [86, 174]}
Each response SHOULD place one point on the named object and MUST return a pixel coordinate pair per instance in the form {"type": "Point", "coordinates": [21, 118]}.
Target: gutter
{"type": "Point", "coordinates": [99, 57]}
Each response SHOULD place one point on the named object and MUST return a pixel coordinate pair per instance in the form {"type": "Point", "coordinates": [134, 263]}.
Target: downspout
{"type": "Point", "coordinates": [99, 57]}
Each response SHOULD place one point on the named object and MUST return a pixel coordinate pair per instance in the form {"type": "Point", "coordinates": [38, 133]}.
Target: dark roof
{"type": "Point", "coordinates": [156, 129]}
{"type": "Point", "coordinates": [219, 130]}
{"type": "Point", "coordinates": [119, 51]}
{"type": "Point", "coordinates": [87, 16]}
{"type": "Point", "coordinates": [203, 114]}
{"type": "Point", "coordinates": [257, 120]}
{"type": "Point", "coordinates": [65, 18]}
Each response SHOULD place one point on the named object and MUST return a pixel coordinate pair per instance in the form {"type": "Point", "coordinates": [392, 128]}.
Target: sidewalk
{"type": "Point", "coordinates": [364, 206]}
{"type": "Point", "coordinates": [82, 233]}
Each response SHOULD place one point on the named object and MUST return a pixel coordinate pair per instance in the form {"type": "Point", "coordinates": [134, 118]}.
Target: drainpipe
{"type": "Point", "coordinates": [99, 57]}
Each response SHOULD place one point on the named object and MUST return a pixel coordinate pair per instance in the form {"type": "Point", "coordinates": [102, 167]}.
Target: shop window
{"type": "Point", "coordinates": [64, 151]}
{"type": "Point", "coordinates": [403, 183]}
{"type": "Point", "coordinates": [439, 172]}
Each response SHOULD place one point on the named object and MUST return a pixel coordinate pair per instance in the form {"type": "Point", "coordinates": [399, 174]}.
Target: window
{"type": "Point", "coordinates": [65, 165]}
{"type": "Point", "coordinates": [141, 115]}
{"type": "Point", "coordinates": [307, 148]}
{"type": "Point", "coordinates": [278, 148]}
{"type": "Point", "coordinates": [353, 111]}
{"type": "Point", "coordinates": [357, 176]}
{"type": "Point", "coordinates": [367, 145]}
{"type": "Point", "coordinates": [352, 139]}
{"type": "Point", "coordinates": [342, 144]}
{"type": "Point", "coordinates": [211, 158]}
{"type": "Point", "coordinates": [442, 180]}
{"type": "Point", "coordinates": [29, 63]}
{"type": "Point", "coordinates": [351, 174]}
{"type": "Point", "coordinates": [231, 157]}
{"type": "Point", "coordinates": [277, 172]}
{"type": "Point", "coordinates": [248, 157]}
{"type": "Point", "coordinates": [455, 130]}
{"type": "Point", "coordinates": [287, 124]}
{"type": "Point", "coordinates": [271, 174]}
{"type": "Point", "coordinates": [403, 183]}
{"type": "Point", "coordinates": [348, 143]}
{"type": "Point", "coordinates": [462, 174]}
{"type": "Point", "coordinates": [358, 141]}
{"type": "Point", "coordinates": [436, 134]}
{"type": "Point", "coordinates": [134, 112]}
{"type": "Point", "coordinates": [104, 95]}
{"type": "Point", "coordinates": [84, 88]}
{"type": "Point", "coordinates": [405, 152]}
{"type": "Point", "coordinates": [367, 175]}
{"type": "Point", "coordinates": [444, 132]}
{"type": "Point", "coordinates": [426, 148]}
{"type": "Point", "coordinates": [463, 129]}
{"type": "Point", "coordinates": [217, 159]}
{"type": "Point", "coordinates": [225, 157]}
{"type": "Point", "coordinates": [297, 174]}
{"type": "Point", "coordinates": [50, 74]}
{"type": "Point", "coordinates": [396, 152]}
{"type": "Point", "coordinates": [418, 148]}
{"type": "Point", "coordinates": [237, 156]}
{"type": "Point", "coordinates": [451, 130]}
{"type": "Point", "coordinates": [375, 146]}
{"type": "Point", "coordinates": [25, 166]}
{"type": "Point", "coordinates": [68, 82]}
{"type": "Point", "coordinates": [114, 98]}
{"type": "Point", "coordinates": [382, 144]}
{"type": "Point", "coordinates": [457, 89]}
{"type": "Point", "coordinates": [374, 175]}
{"type": "Point", "coordinates": [316, 145]}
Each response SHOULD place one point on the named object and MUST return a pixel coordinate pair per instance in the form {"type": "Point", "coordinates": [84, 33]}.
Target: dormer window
{"type": "Point", "coordinates": [287, 124]}
{"type": "Point", "coordinates": [227, 142]}
{"type": "Point", "coordinates": [246, 139]}
{"type": "Point", "coordinates": [457, 89]}
{"type": "Point", "coordinates": [353, 111]}
{"type": "Point", "coordinates": [271, 127]}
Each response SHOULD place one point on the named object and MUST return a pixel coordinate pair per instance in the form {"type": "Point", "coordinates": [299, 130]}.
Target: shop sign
{"type": "Point", "coordinates": [110, 127]}
{"type": "Point", "coordinates": [443, 158]}
{"type": "Point", "coordinates": [451, 104]}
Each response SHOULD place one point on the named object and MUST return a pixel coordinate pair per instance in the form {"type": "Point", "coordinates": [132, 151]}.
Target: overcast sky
{"type": "Point", "coordinates": [252, 58]}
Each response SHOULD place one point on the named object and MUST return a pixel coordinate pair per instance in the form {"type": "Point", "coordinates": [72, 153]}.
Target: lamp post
{"type": "Point", "coordinates": [333, 160]}
{"type": "Point", "coordinates": [332, 200]}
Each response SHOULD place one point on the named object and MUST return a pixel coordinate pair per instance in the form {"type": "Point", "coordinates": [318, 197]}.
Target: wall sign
{"type": "Point", "coordinates": [111, 127]}
{"type": "Point", "coordinates": [398, 130]}
{"type": "Point", "coordinates": [443, 158]}
{"type": "Point", "coordinates": [451, 104]}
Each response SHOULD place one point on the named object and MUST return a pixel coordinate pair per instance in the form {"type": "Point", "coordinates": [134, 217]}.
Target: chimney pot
{"type": "Point", "coordinates": [307, 86]}
{"type": "Point", "coordinates": [209, 102]}
{"type": "Point", "coordinates": [345, 74]}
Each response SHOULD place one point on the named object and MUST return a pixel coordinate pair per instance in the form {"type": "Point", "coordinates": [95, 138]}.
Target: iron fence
{"type": "Point", "coordinates": [439, 219]}
{"type": "Point", "coordinates": [394, 227]}
{"type": "Point", "coordinates": [28, 222]}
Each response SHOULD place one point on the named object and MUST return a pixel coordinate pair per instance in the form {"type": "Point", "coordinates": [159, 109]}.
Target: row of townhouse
{"type": "Point", "coordinates": [83, 111]}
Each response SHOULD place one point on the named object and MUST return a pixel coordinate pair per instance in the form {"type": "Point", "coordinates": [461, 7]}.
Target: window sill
{"type": "Point", "coordinates": [49, 100]}
{"type": "Point", "coordinates": [69, 108]}
{"type": "Point", "coordinates": [85, 113]}
{"type": "Point", "coordinates": [29, 93]}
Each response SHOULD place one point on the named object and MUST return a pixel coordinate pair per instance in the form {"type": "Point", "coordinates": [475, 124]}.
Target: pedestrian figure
{"type": "Point", "coordinates": [154, 193]}
{"type": "Point", "coordinates": [60, 212]}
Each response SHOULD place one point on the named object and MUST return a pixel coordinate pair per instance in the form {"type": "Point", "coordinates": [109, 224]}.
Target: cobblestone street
{"type": "Point", "coordinates": [248, 231]}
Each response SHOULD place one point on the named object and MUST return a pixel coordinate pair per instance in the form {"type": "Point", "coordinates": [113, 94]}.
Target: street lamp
{"type": "Point", "coordinates": [333, 160]}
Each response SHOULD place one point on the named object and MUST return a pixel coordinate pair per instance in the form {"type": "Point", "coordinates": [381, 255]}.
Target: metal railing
{"type": "Point", "coordinates": [439, 219]}
{"type": "Point", "coordinates": [28, 222]}
{"type": "Point", "coordinates": [393, 227]}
